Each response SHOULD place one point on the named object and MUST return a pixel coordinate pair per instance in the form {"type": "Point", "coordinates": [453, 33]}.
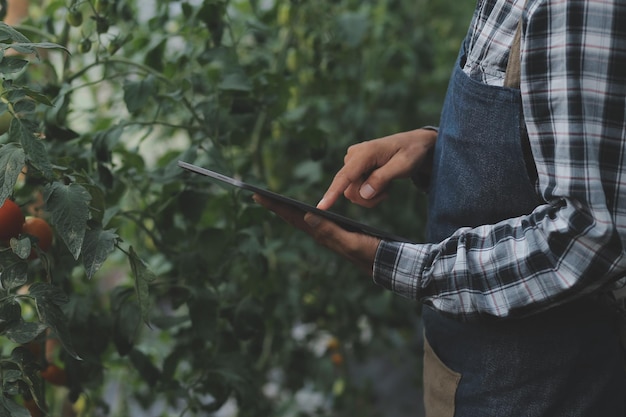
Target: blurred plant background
{"type": "Point", "coordinates": [162, 293]}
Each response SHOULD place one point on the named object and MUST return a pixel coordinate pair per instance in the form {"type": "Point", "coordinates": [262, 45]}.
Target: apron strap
{"type": "Point", "coordinates": [513, 67]}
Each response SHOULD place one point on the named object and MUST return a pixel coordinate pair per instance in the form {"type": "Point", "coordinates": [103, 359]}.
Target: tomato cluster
{"type": "Point", "coordinates": [13, 224]}
{"type": "Point", "coordinates": [333, 348]}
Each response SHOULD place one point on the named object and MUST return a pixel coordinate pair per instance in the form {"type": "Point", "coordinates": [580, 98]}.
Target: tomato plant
{"type": "Point", "coordinates": [193, 296]}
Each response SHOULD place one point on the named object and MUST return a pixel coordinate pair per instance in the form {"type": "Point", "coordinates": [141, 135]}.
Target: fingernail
{"type": "Point", "coordinates": [312, 220]}
{"type": "Point", "coordinates": [322, 201]}
{"type": "Point", "coordinates": [367, 191]}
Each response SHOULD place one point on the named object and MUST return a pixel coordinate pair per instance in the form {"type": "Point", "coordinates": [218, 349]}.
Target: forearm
{"type": "Point", "coordinates": [511, 269]}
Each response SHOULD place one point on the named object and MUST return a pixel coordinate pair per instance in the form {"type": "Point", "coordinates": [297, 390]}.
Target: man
{"type": "Point", "coordinates": [527, 215]}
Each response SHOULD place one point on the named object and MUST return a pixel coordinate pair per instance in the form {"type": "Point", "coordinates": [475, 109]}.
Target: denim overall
{"type": "Point", "coordinates": [562, 362]}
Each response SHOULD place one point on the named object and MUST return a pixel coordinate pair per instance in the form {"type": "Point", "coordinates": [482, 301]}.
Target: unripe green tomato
{"type": "Point", "coordinates": [102, 24]}
{"type": "Point", "coordinates": [114, 46]}
{"type": "Point", "coordinates": [292, 60]}
{"type": "Point", "coordinates": [5, 122]}
{"type": "Point", "coordinates": [283, 15]}
{"type": "Point", "coordinates": [214, 71]}
{"type": "Point", "coordinates": [84, 46]}
{"type": "Point", "coordinates": [74, 18]}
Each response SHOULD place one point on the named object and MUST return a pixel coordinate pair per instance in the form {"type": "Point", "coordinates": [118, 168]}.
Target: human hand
{"type": "Point", "coordinates": [370, 166]}
{"type": "Point", "coordinates": [358, 248]}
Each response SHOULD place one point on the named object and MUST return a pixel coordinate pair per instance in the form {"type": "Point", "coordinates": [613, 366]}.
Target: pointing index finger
{"type": "Point", "coordinates": [340, 183]}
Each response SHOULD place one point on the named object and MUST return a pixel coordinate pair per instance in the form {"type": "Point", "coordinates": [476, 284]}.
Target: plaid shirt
{"type": "Point", "coordinates": [573, 84]}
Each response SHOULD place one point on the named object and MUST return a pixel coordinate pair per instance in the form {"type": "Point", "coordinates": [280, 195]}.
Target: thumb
{"type": "Point", "coordinates": [312, 220]}
{"type": "Point", "coordinates": [380, 178]}
{"type": "Point", "coordinates": [367, 191]}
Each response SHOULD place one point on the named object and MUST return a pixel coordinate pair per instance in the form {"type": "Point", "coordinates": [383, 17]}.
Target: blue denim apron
{"type": "Point", "coordinates": [563, 362]}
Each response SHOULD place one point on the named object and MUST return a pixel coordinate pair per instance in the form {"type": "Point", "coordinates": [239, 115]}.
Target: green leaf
{"type": "Point", "coordinates": [68, 206]}
{"type": "Point", "coordinates": [143, 277]}
{"type": "Point", "coordinates": [137, 93]}
{"type": "Point", "coordinates": [150, 373]}
{"type": "Point", "coordinates": [48, 299]}
{"type": "Point", "coordinates": [23, 357]}
{"type": "Point", "coordinates": [32, 47]}
{"type": "Point", "coordinates": [37, 96]}
{"type": "Point", "coordinates": [97, 247]}
{"type": "Point", "coordinates": [13, 408]}
{"type": "Point", "coordinates": [24, 331]}
{"type": "Point", "coordinates": [26, 362]}
{"type": "Point", "coordinates": [229, 369]}
{"type": "Point", "coordinates": [126, 319]}
{"type": "Point", "coordinates": [45, 45]}
{"type": "Point", "coordinates": [248, 321]}
{"type": "Point", "coordinates": [55, 295]}
{"type": "Point", "coordinates": [235, 82]}
{"type": "Point", "coordinates": [14, 270]}
{"type": "Point", "coordinates": [23, 131]}
{"type": "Point", "coordinates": [353, 27]}
{"type": "Point", "coordinates": [21, 247]}
{"type": "Point", "coordinates": [10, 312]}
{"type": "Point", "coordinates": [8, 32]}
{"type": "Point", "coordinates": [12, 161]}
{"type": "Point", "coordinates": [10, 65]}
{"type": "Point", "coordinates": [155, 52]}
{"type": "Point", "coordinates": [211, 14]}
{"type": "Point", "coordinates": [51, 315]}
{"type": "Point", "coordinates": [203, 312]}
{"type": "Point", "coordinates": [24, 107]}
{"type": "Point", "coordinates": [12, 375]}
{"type": "Point", "coordinates": [13, 94]}
{"type": "Point", "coordinates": [105, 141]}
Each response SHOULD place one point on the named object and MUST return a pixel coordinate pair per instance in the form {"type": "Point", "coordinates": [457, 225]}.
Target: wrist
{"type": "Point", "coordinates": [421, 175]}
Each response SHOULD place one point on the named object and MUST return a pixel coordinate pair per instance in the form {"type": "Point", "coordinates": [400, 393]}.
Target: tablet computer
{"type": "Point", "coordinates": [344, 222]}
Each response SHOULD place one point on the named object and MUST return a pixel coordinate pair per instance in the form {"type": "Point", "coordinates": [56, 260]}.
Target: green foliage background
{"type": "Point", "coordinates": [171, 294]}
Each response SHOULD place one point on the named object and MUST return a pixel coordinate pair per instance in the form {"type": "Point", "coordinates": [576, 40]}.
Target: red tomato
{"type": "Point", "coordinates": [11, 220]}
{"type": "Point", "coordinates": [39, 228]}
